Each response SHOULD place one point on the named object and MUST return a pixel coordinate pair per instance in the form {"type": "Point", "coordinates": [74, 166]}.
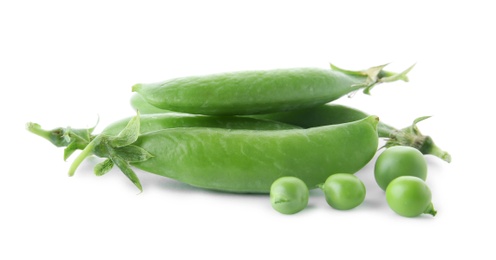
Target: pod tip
{"type": "Point", "coordinates": [136, 87]}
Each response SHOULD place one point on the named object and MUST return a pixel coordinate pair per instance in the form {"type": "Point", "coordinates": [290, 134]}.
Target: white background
{"type": "Point", "coordinates": [64, 63]}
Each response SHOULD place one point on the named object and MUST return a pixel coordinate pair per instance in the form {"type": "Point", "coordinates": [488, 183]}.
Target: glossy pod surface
{"type": "Point", "coordinates": [250, 161]}
{"type": "Point", "coordinates": [250, 92]}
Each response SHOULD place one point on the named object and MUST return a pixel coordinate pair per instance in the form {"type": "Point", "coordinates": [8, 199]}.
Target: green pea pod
{"type": "Point", "coordinates": [258, 92]}
{"type": "Point", "coordinates": [330, 114]}
{"type": "Point", "coordinates": [78, 139]}
{"type": "Point", "coordinates": [245, 161]}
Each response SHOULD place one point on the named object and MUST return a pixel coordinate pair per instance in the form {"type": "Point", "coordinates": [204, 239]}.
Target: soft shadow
{"type": "Point", "coordinates": [164, 184]}
{"type": "Point", "coordinates": [373, 204]}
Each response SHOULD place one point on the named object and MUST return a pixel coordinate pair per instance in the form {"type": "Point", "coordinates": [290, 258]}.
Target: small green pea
{"type": "Point", "coordinates": [289, 195]}
{"type": "Point", "coordinates": [409, 196]}
{"type": "Point", "coordinates": [399, 161]}
{"type": "Point", "coordinates": [344, 191]}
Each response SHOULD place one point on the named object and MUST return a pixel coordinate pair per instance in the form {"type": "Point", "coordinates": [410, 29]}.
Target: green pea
{"type": "Point", "coordinates": [331, 114]}
{"type": "Point", "coordinates": [399, 161]}
{"type": "Point", "coordinates": [344, 191]}
{"type": "Point", "coordinates": [257, 92]}
{"type": "Point", "coordinates": [409, 196]}
{"type": "Point", "coordinates": [289, 195]}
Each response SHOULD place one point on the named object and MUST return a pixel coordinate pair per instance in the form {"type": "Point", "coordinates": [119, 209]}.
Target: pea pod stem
{"type": "Point", "coordinates": [62, 136]}
{"type": "Point", "coordinates": [72, 139]}
{"type": "Point", "coordinates": [411, 136]}
{"type": "Point", "coordinates": [428, 147]}
{"type": "Point", "coordinates": [87, 151]}
{"type": "Point", "coordinates": [37, 130]}
{"type": "Point", "coordinates": [430, 210]}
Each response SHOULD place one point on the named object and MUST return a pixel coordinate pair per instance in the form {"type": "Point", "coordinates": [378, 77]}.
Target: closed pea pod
{"type": "Point", "coordinates": [78, 139]}
{"type": "Point", "coordinates": [256, 92]}
{"type": "Point", "coordinates": [246, 161]}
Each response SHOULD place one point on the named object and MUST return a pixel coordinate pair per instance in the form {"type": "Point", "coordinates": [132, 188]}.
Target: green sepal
{"type": "Point", "coordinates": [349, 72]}
{"type": "Point", "coordinates": [70, 149]}
{"type": "Point", "coordinates": [391, 76]}
{"type": "Point", "coordinates": [128, 135]}
{"type": "Point", "coordinates": [417, 120]}
{"type": "Point", "coordinates": [132, 153]}
{"type": "Point", "coordinates": [408, 136]}
{"type": "Point", "coordinates": [126, 169]}
{"type": "Point", "coordinates": [118, 150]}
{"type": "Point", "coordinates": [411, 136]}
{"type": "Point", "coordinates": [103, 167]}
{"type": "Point", "coordinates": [374, 75]}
